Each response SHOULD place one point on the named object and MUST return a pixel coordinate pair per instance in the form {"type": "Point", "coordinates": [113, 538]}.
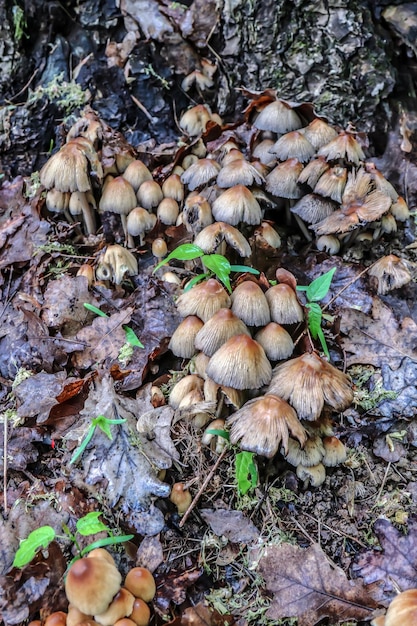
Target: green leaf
{"type": "Point", "coordinates": [314, 317]}
{"type": "Point", "coordinates": [106, 541]}
{"type": "Point", "coordinates": [219, 433]}
{"type": "Point", "coordinates": [78, 451]}
{"type": "Point", "coordinates": [185, 252]}
{"type": "Point", "coordinates": [94, 309]}
{"type": "Point", "coordinates": [244, 268]}
{"type": "Point", "coordinates": [220, 266]}
{"type": "Point", "coordinates": [90, 524]}
{"type": "Point", "coordinates": [246, 472]}
{"type": "Point", "coordinates": [131, 337]}
{"type": "Point", "coordinates": [39, 538]}
{"type": "Point", "coordinates": [320, 286]}
{"type": "Point", "coordinates": [322, 339]}
{"type": "Point", "coordinates": [194, 281]}
{"type": "Point", "coordinates": [104, 424]}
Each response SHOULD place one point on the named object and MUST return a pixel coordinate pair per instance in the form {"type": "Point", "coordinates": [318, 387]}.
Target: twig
{"type": "Point", "coordinates": [203, 486]}
{"type": "Point", "coordinates": [24, 86]}
{"type": "Point", "coordinates": [384, 480]}
{"type": "Point", "coordinates": [5, 464]}
{"type": "Point", "coordinates": [326, 306]}
{"type": "Point", "coordinates": [143, 108]}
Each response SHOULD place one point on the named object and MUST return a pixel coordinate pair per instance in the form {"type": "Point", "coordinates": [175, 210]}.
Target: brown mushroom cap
{"type": "Point", "coordinates": [183, 339]}
{"type": "Point", "coordinates": [307, 453]}
{"type": "Point", "coordinates": [250, 305]}
{"type": "Point", "coordinates": [279, 117]}
{"type": "Point", "coordinates": [91, 585]}
{"type": "Point", "coordinates": [236, 205]}
{"type": "Point", "coordinates": [136, 173]}
{"type": "Point", "coordinates": [331, 183]}
{"type": "Point", "coordinates": [58, 618]}
{"type": "Point", "coordinates": [334, 452]}
{"type": "Point", "coordinates": [240, 363]}
{"type": "Point", "coordinates": [121, 606]}
{"type": "Point", "coordinates": [319, 133]}
{"type": "Point", "coordinates": [284, 305]}
{"type": "Point", "coordinates": [276, 341]}
{"type": "Point", "coordinates": [391, 273]}
{"type": "Point", "coordinates": [263, 424]}
{"type": "Point", "coordinates": [173, 188]}
{"type": "Point", "coordinates": [211, 237]}
{"type": "Point", "coordinates": [402, 610]}
{"type": "Point", "coordinates": [180, 497]}
{"type": "Point", "coordinates": [203, 300]}
{"type": "Point", "coordinates": [344, 146]}
{"type": "Point", "coordinates": [314, 475]}
{"type": "Point", "coordinates": [141, 583]}
{"type": "Point", "coordinates": [118, 196]}
{"type": "Point", "coordinates": [219, 329]}
{"type": "Point", "coordinates": [282, 182]}
{"type": "Point", "coordinates": [141, 613]}
{"type": "Point", "coordinates": [194, 121]}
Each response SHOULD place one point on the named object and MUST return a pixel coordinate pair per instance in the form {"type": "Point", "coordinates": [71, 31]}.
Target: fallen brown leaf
{"type": "Point", "coordinates": [396, 565]}
{"type": "Point", "coordinates": [306, 585]}
{"type": "Point", "coordinates": [232, 524]}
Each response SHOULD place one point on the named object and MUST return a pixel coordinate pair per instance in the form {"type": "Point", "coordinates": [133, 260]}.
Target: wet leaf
{"type": "Point", "coordinates": [37, 395]}
{"type": "Point", "coordinates": [39, 538]}
{"type": "Point", "coordinates": [396, 565]}
{"type": "Point", "coordinates": [305, 585]}
{"type": "Point", "coordinates": [175, 588]}
{"type": "Point", "coordinates": [233, 525]}
{"type": "Point", "coordinates": [64, 303]}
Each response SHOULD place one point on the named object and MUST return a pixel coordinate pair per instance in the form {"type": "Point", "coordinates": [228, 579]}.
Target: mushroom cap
{"type": "Point", "coordinates": [312, 171]}
{"type": "Point", "coordinates": [183, 339]}
{"type": "Point", "coordinates": [121, 606]}
{"type": "Point", "coordinates": [306, 453]}
{"type": "Point", "coordinates": [276, 341]}
{"type": "Point", "coordinates": [118, 196]}
{"type": "Point", "coordinates": [331, 183]}
{"type": "Point", "coordinates": [219, 329]}
{"type": "Point", "coordinates": [200, 173]}
{"type": "Point", "coordinates": [180, 497]}
{"type": "Point", "coordinates": [203, 300]}
{"type": "Point", "coordinates": [239, 172]}
{"type": "Point", "coordinates": [183, 387]}
{"type": "Point", "coordinates": [312, 208]}
{"type": "Point", "coordinates": [262, 152]}
{"type": "Point", "coordinates": [344, 146]}
{"type": "Point", "coordinates": [328, 243]}
{"type": "Point", "coordinates": [319, 133]}
{"type": "Point", "coordinates": [283, 304]}
{"type": "Point", "coordinates": [172, 187]}
{"type": "Point", "coordinates": [194, 121]}
{"type": "Point", "coordinates": [334, 451]}
{"type": "Point", "coordinates": [391, 273]}
{"type": "Point", "coordinates": [263, 424]}
{"type": "Point", "coordinates": [314, 475]}
{"type": "Point", "coordinates": [141, 583]}
{"type": "Point", "coordinates": [91, 585]}
{"type": "Point", "coordinates": [240, 363]}
{"type": "Point", "coordinates": [308, 382]}
{"type": "Point", "coordinates": [279, 117]}
{"type": "Point", "coordinates": [283, 180]}
{"type": "Point", "coordinates": [149, 194]}
{"type": "Point", "coordinates": [67, 170]}
{"type": "Point", "coordinates": [250, 304]}
{"type": "Point", "coordinates": [115, 263]}
{"type": "Point", "coordinates": [196, 213]}
{"type": "Point", "coordinates": [212, 236]}
{"type": "Point", "coordinates": [402, 610]}
{"type": "Point", "coordinates": [57, 201]}
{"type": "Point", "coordinates": [236, 205]}
{"type": "Point", "coordinates": [140, 221]}
{"type": "Point", "coordinates": [168, 211]}
{"type": "Point", "coordinates": [136, 173]}
{"type": "Point", "coordinates": [141, 613]}
{"type": "Point", "coordinates": [293, 145]}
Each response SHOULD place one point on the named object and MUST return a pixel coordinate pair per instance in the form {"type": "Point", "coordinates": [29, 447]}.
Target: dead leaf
{"type": "Point", "coordinates": [231, 524]}
{"type": "Point", "coordinates": [63, 306]}
{"type": "Point", "coordinates": [174, 588]}
{"type": "Point", "coordinates": [202, 615]}
{"type": "Point", "coordinates": [389, 448]}
{"type": "Point", "coordinates": [396, 565]}
{"type": "Point", "coordinates": [122, 469]}
{"type": "Point", "coordinates": [104, 339]}
{"type": "Point", "coordinates": [377, 338]}
{"type": "Point", "coordinates": [37, 394]}
{"type": "Point", "coordinates": [307, 586]}
{"type": "Point", "coordinates": [150, 553]}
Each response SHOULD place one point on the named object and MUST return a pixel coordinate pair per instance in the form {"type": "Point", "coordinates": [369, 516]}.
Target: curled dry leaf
{"type": "Point", "coordinates": [307, 586]}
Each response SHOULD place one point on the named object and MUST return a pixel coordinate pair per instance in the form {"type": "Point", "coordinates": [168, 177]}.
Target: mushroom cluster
{"type": "Point", "coordinates": [244, 372]}
{"type": "Point", "coordinates": [94, 590]}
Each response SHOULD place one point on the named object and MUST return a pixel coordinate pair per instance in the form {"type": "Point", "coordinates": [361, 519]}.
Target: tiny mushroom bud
{"type": "Point", "coordinates": [91, 585]}
{"type": "Point", "coordinates": [59, 618]}
{"type": "Point", "coordinates": [159, 248]}
{"type": "Point", "coordinates": [180, 497]}
{"type": "Point", "coordinates": [140, 582]}
{"type": "Point", "coordinates": [88, 272]}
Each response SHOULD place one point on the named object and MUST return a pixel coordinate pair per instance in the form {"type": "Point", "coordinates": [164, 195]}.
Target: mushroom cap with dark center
{"type": "Point", "coordinates": [250, 305]}
{"type": "Point", "coordinates": [91, 585]}
{"type": "Point", "coordinates": [284, 305]}
{"type": "Point", "coordinates": [276, 341]}
{"type": "Point", "coordinates": [240, 363]}
{"type": "Point", "coordinates": [263, 424]}
{"type": "Point", "coordinates": [203, 300]}
{"type": "Point", "coordinates": [219, 329]}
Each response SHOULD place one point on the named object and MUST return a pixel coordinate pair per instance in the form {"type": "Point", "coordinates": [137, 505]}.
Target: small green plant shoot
{"type": "Point", "coordinates": [216, 264]}
{"type": "Point", "coordinates": [86, 526]}
{"type": "Point", "coordinates": [99, 422]}
{"type": "Point", "coordinates": [131, 337]}
{"type": "Point", "coordinates": [316, 291]}
{"type": "Point", "coordinates": [246, 472]}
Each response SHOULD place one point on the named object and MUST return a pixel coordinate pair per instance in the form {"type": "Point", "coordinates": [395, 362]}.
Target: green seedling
{"type": "Point", "coordinates": [217, 264]}
{"type": "Point", "coordinates": [99, 422]}
{"type": "Point", "coordinates": [131, 337]}
{"type": "Point", "coordinates": [86, 526]}
{"type": "Point", "coordinates": [315, 292]}
{"type": "Point", "coordinates": [246, 472]}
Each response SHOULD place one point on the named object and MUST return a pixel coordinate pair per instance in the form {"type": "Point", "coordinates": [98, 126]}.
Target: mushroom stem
{"type": "Point", "coordinates": [89, 220]}
{"type": "Point", "coordinates": [303, 227]}
{"type": "Point", "coordinates": [124, 225]}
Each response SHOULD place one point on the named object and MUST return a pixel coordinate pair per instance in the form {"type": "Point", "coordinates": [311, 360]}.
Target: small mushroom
{"type": "Point", "coordinates": [314, 475]}
{"type": "Point", "coordinates": [138, 223]}
{"type": "Point", "coordinates": [141, 583]}
{"type": "Point", "coordinates": [219, 329]}
{"type": "Point", "coordinates": [250, 305]}
{"type": "Point", "coordinates": [121, 606]}
{"type": "Point", "coordinates": [283, 304]}
{"type": "Point", "coordinates": [203, 300]}
{"type": "Point", "coordinates": [182, 342]}
{"type": "Point", "coordinates": [391, 272]}
{"type": "Point", "coordinates": [276, 341]}
{"type": "Point", "coordinates": [119, 197]}
{"type": "Point", "coordinates": [181, 497]}
{"type": "Point", "coordinates": [91, 585]}
{"type": "Point", "coordinates": [116, 262]}
{"type": "Point", "coordinates": [279, 117]}
{"type": "Point", "coordinates": [237, 205]}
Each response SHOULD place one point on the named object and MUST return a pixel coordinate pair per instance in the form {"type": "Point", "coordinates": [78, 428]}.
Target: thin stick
{"type": "Point", "coordinates": [384, 480]}
{"type": "Point", "coordinates": [5, 464]}
{"type": "Point", "coordinates": [203, 486]}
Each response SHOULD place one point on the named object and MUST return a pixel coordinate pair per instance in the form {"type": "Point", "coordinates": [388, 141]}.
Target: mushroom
{"type": "Point", "coordinates": [237, 205]}
{"type": "Point", "coordinates": [182, 342]}
{"type": "Point", "coordinates": [91, 585]}
{"type": "Point", "coordinates": [212, 236]}
{"type": "Point", "coordinates": [314, 475]}
{"type": "Point", "coordinates": [391, 272]}
{"type": "Point", "coordinates": [332, 183]}
{"type": "Point", "coordinates": [334, 451]}
{"type": "Point", "coordinates": [312, 171]}
{"type": "Point", "coordinates": [168, 211]}
{"type": "Point", "coordinates": [240, 363]}
{"type": "Point", "coordinates": [308, 382]}
{"type": "Point", "coordinates": [239, 172]}
{"type": "Point", "coordinates": [67, 169]}
{"type": "Point", "coordinates": [203, 300]}
{"type": "Point", "coordinates": [400, 210]}
{"type": "Point", "coordinates": [136, 173]}
{"type": "Point", "coordinates": [306, 453]}
{"type": "Point", "coordinates": [279, 117]}
{"type": "Point", "coordinates": [282, 181]}
{"type": "Point", "coordinates": [140, 582]}
{"type": "Point", "coordinates": [312, 208]}
{"type": "Point", "coordinates": [276, 341]}
{"type": "Point", "coordinates": [138, 223]}
{"type": "Point", "coordinates": [159, 248]}
{"type": "Point", "coordinates": [141, 613]}
{"type": "Point", "coordinates": [262, 424]}
{"type": "Point", "coordinates": [328, 243]}
{"type": "Point", "coordinates": [293, 145]}
{"type": "Point", "coordinates": [283, 304]}
{"type": "Point", "coordinates": [181, 497]}
{"type": "Point", "coordinates": [402, 610]}
{"type": "Point", "coordinates": [149, 195]}
{"type": "Point", "coordinates": [119, 197]}
{"type": "Point", "coordinates": [172, 187]}
{"type": "Point", "coordinates": [58, 618]}
{"type": "Point", "coordinates": [262, 152]}
{"type": "Point", "coordinates": [115, 263]}
{"type": "Point", "coordinates": [196, 214]}
{"type": "Point", "coordinates": [194, 121]}
{"type": "Point", "coordinates": [182, 388]}
{"type": "Point", "coordinates": [319, 133]}
{"type": "Point", "coordinates": [344, 146]}
{"type": "Point", "coordinates": [200, 173]}
{"type": "Point", "coordinates": [121, 606]}
{"type": "Point", "coordinates": [219, 329]}
{"type": "Point", "coordinates": [83, 203]}
{"type": "Point", "coordinates": [250, 305]}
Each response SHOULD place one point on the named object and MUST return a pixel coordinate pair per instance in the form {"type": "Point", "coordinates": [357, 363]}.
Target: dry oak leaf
{"type": "Point", "coordinates": [306, 585]}
{"type": "Point", "coordinates": [396, 565]}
